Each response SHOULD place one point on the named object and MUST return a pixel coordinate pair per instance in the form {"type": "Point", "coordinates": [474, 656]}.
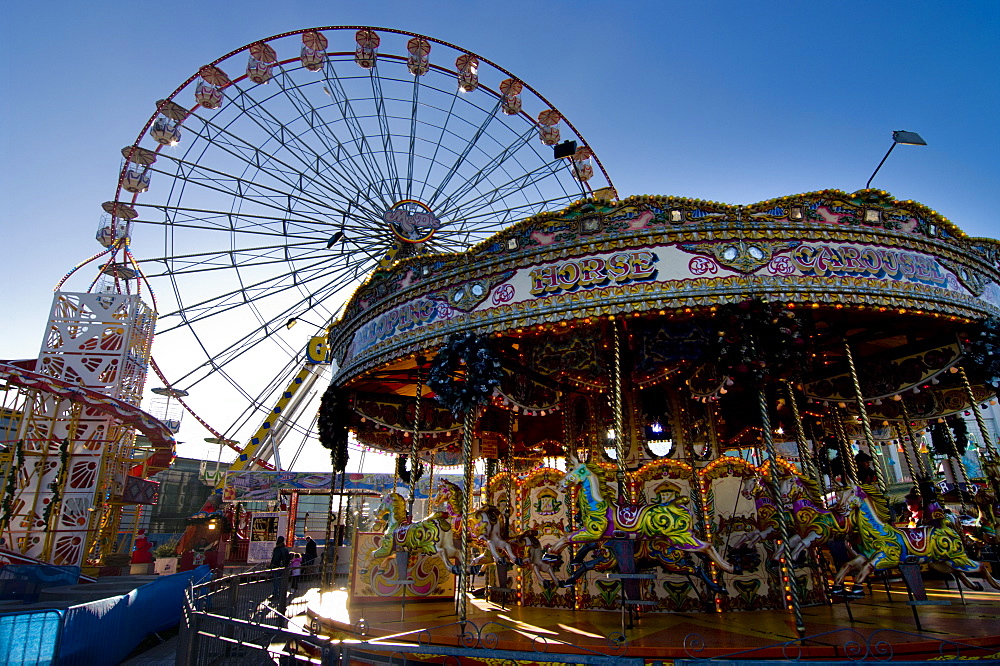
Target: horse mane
{"type": "Point", "coordinates": [528, 538]}
{"type": "Point", "coordinates": [876, 501]}
{"type": "Point", "coordinates": [598, 474]}
{"type": "Point", "coordinates": [491, 512]}
{"type": "Point", "coordinates": [809, 486]}
{"type": "Point", "coordinates": [398, 507]}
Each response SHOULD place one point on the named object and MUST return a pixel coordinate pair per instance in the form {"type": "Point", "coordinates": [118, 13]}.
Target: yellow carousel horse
{"type": "Point", "coordinates": [434, 535]}
{"type": "Point", "coordinates": [670, 524]}
{"type": "Point", "coordinates": [887, 546]}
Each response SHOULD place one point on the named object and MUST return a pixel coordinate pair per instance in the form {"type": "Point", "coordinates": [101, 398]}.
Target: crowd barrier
{"type": "Point", "coordinates": [99, 632]}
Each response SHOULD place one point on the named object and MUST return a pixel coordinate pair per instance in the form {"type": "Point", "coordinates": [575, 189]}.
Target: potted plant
{"type": "Point", "coordinates": [166, 558]}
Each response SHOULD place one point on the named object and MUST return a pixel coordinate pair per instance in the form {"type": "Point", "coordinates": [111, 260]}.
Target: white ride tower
{"type": "Point", "coordinates": [75, 459]}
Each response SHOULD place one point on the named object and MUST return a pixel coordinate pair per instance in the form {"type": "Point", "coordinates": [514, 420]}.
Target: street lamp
{"type": "Point", "coordinates": [899, 136]}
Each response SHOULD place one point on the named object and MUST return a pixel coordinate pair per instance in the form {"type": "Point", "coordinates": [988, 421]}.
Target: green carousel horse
{"type": "Point", "coordinates": [434, 535]}
{"type": "Point", "coordinates": [669, 525]}
{"type": "Point", "coordinates": [888, 547]}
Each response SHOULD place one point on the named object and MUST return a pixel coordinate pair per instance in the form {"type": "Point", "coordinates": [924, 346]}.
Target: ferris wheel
{"type": "Point", "coordinates": [268, 185]}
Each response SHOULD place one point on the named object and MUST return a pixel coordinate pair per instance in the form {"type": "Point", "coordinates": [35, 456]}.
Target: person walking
{"type": "Point", "coordinates": [309, 556]}
{"type": "Point", "coordinates": [296, 564]}
{"type": "Point", "coordinates": [279, 560]}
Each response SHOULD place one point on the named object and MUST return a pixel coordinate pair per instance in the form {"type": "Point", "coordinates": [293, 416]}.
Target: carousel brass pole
{"type": "Point", "coordinates": [616, 406]}
{"type": "Point", "coordinates": [910, 458]}
{"type": "Point", "coordinates": [791, 584]}
{"type": "Point", "coordinates": [873, 449]}
{"type": "Point", "coordinates": [921, 467]}
{"type": "Point", "coordinates": [990, 468]}
{"type": "Point", "coordinates": [463, 576]}
{"type": "Point", "coordinates": [414, 440]}
{"type": "Point", "coordinates": [509, 481]}
{"type": "Point", "coordinates": [955, 464]}
{"type": "Point", "coordinates": [800, 435]}
{"type": "Point", "coordinates": [850, 466]}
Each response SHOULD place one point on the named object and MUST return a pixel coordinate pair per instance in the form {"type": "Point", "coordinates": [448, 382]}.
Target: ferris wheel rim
{"type": "Point", "coordinates": [246, 47]}
{"type": "Point", "coordinates": [490, 193]}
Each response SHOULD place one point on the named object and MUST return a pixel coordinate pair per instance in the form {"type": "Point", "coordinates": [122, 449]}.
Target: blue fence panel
{"type": "Point", "coordinates": [30, 639]}
{"type": "Point", "coordinates": [106, 631]}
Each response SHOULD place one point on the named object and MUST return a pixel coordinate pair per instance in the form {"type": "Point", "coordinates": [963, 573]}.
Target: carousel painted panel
{"type": "Point", "coordinates": [684, 581]}
{"type": "Point", "coordinates": [380, 578]}
{"type": "Point", "coordinates": [544, 516]}
{"type": "Point", "coordinates": [706, 270]}
{"type": "Point", "coordinates": [735, 524]}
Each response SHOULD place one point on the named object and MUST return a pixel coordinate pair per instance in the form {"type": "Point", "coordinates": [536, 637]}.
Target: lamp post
{"type": "Point", "coordinates": [899, 136]}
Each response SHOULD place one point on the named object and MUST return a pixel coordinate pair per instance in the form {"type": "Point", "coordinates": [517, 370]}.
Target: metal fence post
{"type": "Point", "coordinates": [189, 631]}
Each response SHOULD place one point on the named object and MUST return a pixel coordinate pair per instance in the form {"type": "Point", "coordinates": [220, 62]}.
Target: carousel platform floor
{"type": "Point", "coordinates": [883, 627]}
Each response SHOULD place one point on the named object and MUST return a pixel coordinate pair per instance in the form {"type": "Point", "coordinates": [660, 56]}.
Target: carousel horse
{"type": "Point", "coordinates": [434, 535]}
{"type": "Point", "coordinates": [887, 546]}
{"type": "Point", "coordinates": [766, 512]}
{"type": "Point", "coordinates": [534, 556]}
{"type": "Point", "coordinates": [489, 527]}
{"type": "Point", "coordinates": [670, 523]}
{"type": "Point", "coordinates": [816, 526]}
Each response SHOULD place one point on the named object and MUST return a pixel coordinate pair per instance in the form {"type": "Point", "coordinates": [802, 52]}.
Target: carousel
{"type": "Point", "coordinates": [681, 406]}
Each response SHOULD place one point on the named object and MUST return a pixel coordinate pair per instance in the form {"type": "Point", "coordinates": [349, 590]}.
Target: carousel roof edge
{"type": "Point", "coordinates": [684, 212]}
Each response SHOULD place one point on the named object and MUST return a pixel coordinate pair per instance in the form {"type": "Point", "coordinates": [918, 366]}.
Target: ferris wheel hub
{"type": "Point", "coordinates": [411, 221]}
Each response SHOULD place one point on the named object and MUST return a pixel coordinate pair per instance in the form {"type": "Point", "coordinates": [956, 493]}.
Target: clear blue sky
{"type": "Point", "coordinates": [729, 101]}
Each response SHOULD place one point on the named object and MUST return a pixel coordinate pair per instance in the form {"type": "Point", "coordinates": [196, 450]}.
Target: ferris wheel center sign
{"type": "Point", "coordinates": [411, 221]}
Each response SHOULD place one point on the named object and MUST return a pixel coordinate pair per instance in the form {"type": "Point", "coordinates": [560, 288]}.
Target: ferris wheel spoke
{"type": "Point", "coordinates": [240, 188]}
{"type": "Point", "coordinates": [483, 174]}
{"type": "Point", "coordinates": [438, 143]}
{"type": "Point", "coordinates": [290, 177]}
{"type": "Point", "coordinates": [341, 100]}
{"type": "Point", "coordinates": [276, 285]}
{"type": "Point", "coordinates": [309, 114]}
{"type": "Point", "coordinates": [217, 360]}
{"type": "Point", "coordinates": [413, 136]}
{"type": "Point", "coordinates": [463, 156]}
{"type": "Point", "coordinates": [383, 122]}
{"type": "Point", "coordinates": [250, 154]}
{"type": "Point", "coordinates": [290, 142]}
{"type": "Point", "coordinates": [201, 262]}
{"type": "Point", "coordinates": [245, 224]}
{"type": "Point", "coordinates": [514, 187]}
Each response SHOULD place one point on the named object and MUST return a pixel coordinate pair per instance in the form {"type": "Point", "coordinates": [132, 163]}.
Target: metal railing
{"type": "Point", "coordinates": [243, 619]}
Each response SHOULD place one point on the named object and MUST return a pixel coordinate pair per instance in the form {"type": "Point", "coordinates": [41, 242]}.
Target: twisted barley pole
{"type": "Point", "coordinates": [874, 449]}
{"type": "Point", "coordinates": [616, 406]}
{"type": "Point", "coordinates": [791, 584]}
{"type": "Point", "coordinates": [463, 575]}
{"type": "Point", "coordinates": [992, 459]}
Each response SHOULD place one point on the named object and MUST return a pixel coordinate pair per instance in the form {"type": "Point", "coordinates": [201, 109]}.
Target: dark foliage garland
{"type": "Point", "coordinates": [482, 373]}
{"type": "Point", "coordinates": [11, 487]}
{"type": "Point", "coordinates": [334, 418]}
{"type": "Point", "coordinates": [939, 439]}
{"type": "Point", "coordinates": [959, 433]}
{"type": "Point", "coordinates": [960, 429]}
{"type": "Point", "coordinates": [983, 352]}
{"type": "Point", "coordinates": [758, 340]}
{"type": "Point", "coordinates": [56, 485]}
{"type": "Point", "coordinates": [404, 473]}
